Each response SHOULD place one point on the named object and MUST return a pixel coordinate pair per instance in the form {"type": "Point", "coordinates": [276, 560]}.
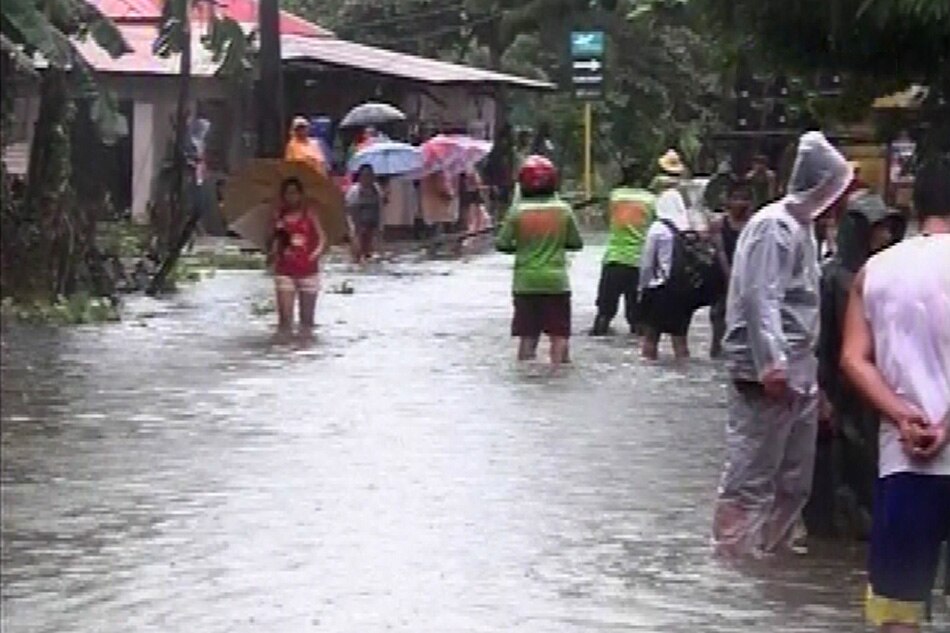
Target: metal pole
{"type": "Point", "coordinates": [588, 165]}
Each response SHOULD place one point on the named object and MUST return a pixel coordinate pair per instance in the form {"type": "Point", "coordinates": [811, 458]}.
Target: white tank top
{"type": "Point", "coordinates": [907, 303]}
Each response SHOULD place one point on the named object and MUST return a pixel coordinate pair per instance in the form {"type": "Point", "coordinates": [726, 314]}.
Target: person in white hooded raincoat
{"type": "Point", "coordinates": [772, 318]}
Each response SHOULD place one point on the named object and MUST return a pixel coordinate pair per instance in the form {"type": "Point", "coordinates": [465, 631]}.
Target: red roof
{"type": "Point", "coordinates": [129, 10]}
{"type": "Point", "coordinates": [141, 60]}
{"type": "Point", "coordinates": [245, 12]}
{"type": "Point", "coordinates": [242, 11]}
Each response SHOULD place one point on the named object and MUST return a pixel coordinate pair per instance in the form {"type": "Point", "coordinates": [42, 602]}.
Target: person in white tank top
{"type": "Point", "coordinates": [896, 353]}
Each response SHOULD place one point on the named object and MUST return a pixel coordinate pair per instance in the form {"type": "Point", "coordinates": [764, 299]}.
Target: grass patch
{"type": "Point", "coordinates": [78, 309]}
{"type": "Point", "coordinates": [227, 260]}
{"type": "Point", "coordinates": [122, 239]}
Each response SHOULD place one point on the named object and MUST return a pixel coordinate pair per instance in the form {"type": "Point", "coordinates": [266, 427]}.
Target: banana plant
{"type": "Point", "coordinates": [51, 28]}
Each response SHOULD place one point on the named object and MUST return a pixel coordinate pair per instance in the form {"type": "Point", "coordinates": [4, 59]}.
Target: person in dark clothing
{"type": "Point", "coordinates": [542, 145]}
{"type": "Point", "coordinates": [763, 180]}
{"type": "Point", "coordinates": [846, 463]}
{"type": "Point", "coordinates": [725, 232]}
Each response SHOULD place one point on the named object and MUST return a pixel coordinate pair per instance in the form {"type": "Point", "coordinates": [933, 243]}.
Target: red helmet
{"type": "Point", "coordinates": [537, 175]}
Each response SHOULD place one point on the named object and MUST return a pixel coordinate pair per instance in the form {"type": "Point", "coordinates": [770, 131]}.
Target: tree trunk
{"type": "Point", "coordinates": [90, 160]}
{"type": "Point", "coordinates": [177, 194]}
{"type": "Point", "coordinates": [182, 209]}
{"type": "Point", "coordinates": [495, 55]}
{"type": "Point", "coordinates": [49, 197]}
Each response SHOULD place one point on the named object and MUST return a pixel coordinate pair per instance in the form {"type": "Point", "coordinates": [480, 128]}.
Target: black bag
{"type": "Point", "coordinates": [696, 274]}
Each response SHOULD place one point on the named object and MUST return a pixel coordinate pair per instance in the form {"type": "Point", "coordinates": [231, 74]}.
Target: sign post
{"type": "Point", "coordinates": [587, 79]}
{"type": "Point", "coordinates": [588, 163]}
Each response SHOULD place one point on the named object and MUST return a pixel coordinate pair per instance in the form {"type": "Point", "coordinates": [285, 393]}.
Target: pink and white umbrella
{"type": "Point", "coordinates": [453, 154]}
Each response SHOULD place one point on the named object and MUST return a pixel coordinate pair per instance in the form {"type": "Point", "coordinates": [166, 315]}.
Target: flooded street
{"type": "Point", "coordinates": [179, 472]}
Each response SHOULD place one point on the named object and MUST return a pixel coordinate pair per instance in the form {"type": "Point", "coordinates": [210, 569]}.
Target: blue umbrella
{"type": "Point", "coordinates": [388, 158]}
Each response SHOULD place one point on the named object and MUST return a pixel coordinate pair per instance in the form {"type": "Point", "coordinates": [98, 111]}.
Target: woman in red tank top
{"type": "Point", "coordinates": [298, 244]}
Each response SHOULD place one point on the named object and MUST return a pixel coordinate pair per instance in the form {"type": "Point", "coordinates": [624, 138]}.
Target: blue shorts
{"type": "Point", "coordinates": [911, 521]}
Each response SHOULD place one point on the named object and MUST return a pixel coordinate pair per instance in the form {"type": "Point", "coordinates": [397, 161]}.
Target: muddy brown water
{"type": "Point", "coordinates": [180, 472]}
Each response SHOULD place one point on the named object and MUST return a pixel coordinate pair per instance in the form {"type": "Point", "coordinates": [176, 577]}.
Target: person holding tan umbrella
{"type": "Point", "coordinates": [298, 244]}
{"type": "Point", "coordinates": [294, 213]}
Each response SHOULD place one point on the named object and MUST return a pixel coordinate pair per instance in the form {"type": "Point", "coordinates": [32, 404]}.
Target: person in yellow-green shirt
{"type": "Point", "coordinates": [539, 230]}
{"type": "Point", "coordinates": [630, 212]}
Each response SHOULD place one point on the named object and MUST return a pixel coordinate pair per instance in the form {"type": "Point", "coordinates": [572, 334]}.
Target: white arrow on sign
{"type": "Point", "coordinates": [591, 65]}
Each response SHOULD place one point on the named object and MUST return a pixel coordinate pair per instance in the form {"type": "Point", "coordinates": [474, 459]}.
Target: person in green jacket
{"type": "Point", "coordinates": [631, 211]}
{"type": "Point", "coordinates": [539, 231]}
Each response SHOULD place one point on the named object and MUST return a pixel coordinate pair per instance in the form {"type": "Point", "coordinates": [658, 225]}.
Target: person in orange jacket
{"type": "Point", "coordinates": [301, 147]}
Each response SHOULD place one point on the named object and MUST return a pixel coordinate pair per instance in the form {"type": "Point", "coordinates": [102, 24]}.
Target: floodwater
{"type": "Point", "coordinates": [180, 472]}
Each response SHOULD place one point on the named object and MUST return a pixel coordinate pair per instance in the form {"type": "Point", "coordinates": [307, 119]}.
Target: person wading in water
{"type": "Point", "coordinates": [297, 245]}
{"type": "Point", "coordinates": [539, 231]}
{"type": "Point", "coordinates": [631, 211]}
{"type": "Point", "coordinates": [771, 333]}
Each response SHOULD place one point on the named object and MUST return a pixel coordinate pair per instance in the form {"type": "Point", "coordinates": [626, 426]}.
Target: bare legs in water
{"type": "Point", "coordinates": [287, 300]}
{"type": "Point", "coordinates": [559, 354]}
{"type": "Point", "coordinates": [651, 344]}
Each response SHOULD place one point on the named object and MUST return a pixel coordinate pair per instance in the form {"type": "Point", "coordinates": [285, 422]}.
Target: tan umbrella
{"type": "Point", "coordinates": [252, 195]}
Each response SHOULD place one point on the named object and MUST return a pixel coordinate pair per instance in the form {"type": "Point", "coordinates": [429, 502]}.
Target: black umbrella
{"type": "Point", "coordinates": [370, 114]}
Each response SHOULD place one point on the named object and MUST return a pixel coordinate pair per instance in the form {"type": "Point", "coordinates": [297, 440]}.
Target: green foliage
{"type": "Point", "coordinates": [906, 40]}
{"type": "Point", "coordinates": [451, 29]}
{"type": "Point", "coordinates": [230, 47]}
{"type": "Point", "coordinates": [47, 234]}
{"type": "Point", "coordinates": [122, 239]}
{"type": "Point", "coordinates": [227, 260]}
{"type": "Point", "coordinates": [46, 26]}
{"type": "Point", "coordinates": [49, 27]}
{"type": "Point", "coordinates": [880, 45]}
{"type": "Point", "coordinates": [78, 309]}
{"type": "Point", "coordinates": [225, 38]}
{"type": "Point", "coordinates": [662, 69]}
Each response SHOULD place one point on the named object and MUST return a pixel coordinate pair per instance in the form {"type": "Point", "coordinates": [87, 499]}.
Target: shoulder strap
{"type": "Point", "coordinates": [672, 227]}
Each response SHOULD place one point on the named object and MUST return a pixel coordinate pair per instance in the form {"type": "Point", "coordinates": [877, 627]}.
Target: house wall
{"type": "Point", "coordinates": [16, 156]}
{"type": "Point", "coordinates": [453, 107]}
{"type": "Point", "coordinates": [155, 100]}
{"type": "Point", "coordinates": [231, 143]}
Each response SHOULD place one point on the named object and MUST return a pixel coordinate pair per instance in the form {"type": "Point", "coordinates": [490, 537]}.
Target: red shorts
{"type": "Point", "coordinates": [537, 314]}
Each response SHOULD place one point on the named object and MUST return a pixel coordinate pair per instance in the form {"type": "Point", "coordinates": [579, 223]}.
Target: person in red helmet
{"type": "Point", "coordinates": [539, 230]}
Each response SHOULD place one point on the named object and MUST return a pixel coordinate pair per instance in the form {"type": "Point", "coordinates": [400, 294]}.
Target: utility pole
{"type": "Point", "coordinates": [270, 85]}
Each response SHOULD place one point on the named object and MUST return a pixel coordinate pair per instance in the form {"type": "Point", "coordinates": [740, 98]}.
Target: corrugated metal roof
{"type": "Point", "coordinates": [323, 50]}
{"type": "Point", "coordinates": [345, 54]}
{"type": "Point", "coordinates": [141, 61]}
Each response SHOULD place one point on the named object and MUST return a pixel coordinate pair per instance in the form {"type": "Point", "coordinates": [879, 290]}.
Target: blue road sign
{"type": "Point", "coordinates": [587, 44]}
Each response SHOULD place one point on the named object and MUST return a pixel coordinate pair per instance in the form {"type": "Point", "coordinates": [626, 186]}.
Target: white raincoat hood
{"type": "Point", "coordinates": [821, 174]}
